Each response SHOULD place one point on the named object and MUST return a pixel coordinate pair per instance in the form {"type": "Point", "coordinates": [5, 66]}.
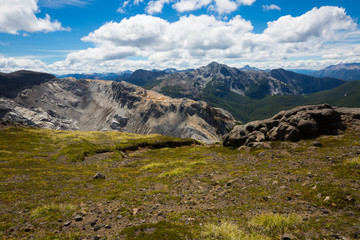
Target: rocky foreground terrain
{"type": "Point", "coordinates": [96, 185]}
{"type": "Point", "coordinates": [95, 105]}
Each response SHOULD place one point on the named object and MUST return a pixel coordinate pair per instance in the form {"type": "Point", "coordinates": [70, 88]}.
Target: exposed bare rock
{"type": "Point", "coordinates": [105, 105]}
{"type": "Point", "coordinates": [293, 125]}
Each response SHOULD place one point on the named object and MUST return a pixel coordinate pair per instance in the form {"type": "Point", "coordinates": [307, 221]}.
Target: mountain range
{"type": "Point", "coordinates": [95, 105]}
{"type": "Point", "coordinates": [346, 71]}
{"type": "Point", "coordinates": [182, 104]}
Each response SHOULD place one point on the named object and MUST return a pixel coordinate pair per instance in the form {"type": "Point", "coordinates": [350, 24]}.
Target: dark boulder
{"type": "Point", "coordinates": [293, 125]}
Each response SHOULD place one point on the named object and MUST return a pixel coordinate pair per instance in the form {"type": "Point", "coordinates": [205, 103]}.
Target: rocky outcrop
{"type": "Point", "coordinates": [94, 105]}
{"type": "Point", "coordinates": [293, 125]}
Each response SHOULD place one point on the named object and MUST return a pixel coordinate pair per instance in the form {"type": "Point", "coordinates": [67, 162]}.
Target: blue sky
{"type": "Point", "coordinates": [84, 36]}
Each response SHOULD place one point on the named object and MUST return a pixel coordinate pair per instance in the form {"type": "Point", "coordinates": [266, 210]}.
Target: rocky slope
{"type": "Point", "coordinates": [105, 105]}
{"type": "Point", "coordinates": [347, 71]}
{"type": "Point", "coordinates": [293, 125]}
{"type": "Point", "coordinates": [245, 83]}
{"type": "Point", "coordinates": [12, 83]}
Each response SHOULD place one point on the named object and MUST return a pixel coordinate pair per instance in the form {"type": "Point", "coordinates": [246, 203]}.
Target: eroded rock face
{"type": "Point", "coordinates": [293, 125]}
{"type": "Point", "coordinates": [94, 105]}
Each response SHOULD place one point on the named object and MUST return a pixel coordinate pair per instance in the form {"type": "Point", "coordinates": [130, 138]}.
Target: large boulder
{"type": "Point", "coordinates": [293, 125]}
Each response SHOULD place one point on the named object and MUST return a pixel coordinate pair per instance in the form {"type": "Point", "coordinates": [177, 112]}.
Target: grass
{"type": "Point", "coordinates": [178, 192]}
{"type": "Point", "coordinates": [228, 231]}
{"type": "Point", "coordinates": [272, 223]}
{"type": "Point", "coordinates": [160, 230]}
{"type": "Point", "coordinates": [52, 212]}
{"type": "Point", "coordinates": [353, 163]}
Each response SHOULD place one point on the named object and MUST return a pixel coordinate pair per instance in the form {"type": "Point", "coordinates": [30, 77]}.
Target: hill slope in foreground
{"type": "Point", "coordinates": [154, 187]}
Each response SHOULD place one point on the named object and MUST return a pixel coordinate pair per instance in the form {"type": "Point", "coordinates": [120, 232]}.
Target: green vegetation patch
{"type": "Point", "coordinates": [228, 231]}
{"type": "Point", "coordinates": [160, 230]}
{"type": "Point", "coordinates": [52, 212]}
{"type": "Point", "coordinates": [274, 223]}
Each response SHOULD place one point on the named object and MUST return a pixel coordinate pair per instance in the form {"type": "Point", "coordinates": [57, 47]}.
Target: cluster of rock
{"type": "Point", "coordinates": [293, 125]}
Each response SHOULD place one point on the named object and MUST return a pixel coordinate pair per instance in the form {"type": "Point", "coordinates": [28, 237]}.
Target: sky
{"type": "Point", "coordinates": [87, 36]}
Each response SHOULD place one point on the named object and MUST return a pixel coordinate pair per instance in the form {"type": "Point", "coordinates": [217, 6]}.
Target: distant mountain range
{"type": "Point", "coordinates": [248, 94]}
{"type": "Point", "coordinates": [220, 80]}
{"type": "Point", "coordinates": [99, 76]}
{"type": "Point", "coordinates": [346, 71]}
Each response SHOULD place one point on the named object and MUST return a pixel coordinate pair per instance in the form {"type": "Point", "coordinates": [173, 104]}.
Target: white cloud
{"type": "Point", "coordinates": [18, 15]}
{"type": "Point", "coordinates": [246, 2]}
{"type": "Point", "coordinates": [123, 7]}
{"type": "Point", "coordinates": [322, 36]}
{"type": "Point", "coordinates": [271, 7]}
{"type": "Point", "coordinates": [156, 6]}
{"type": "Point", "coordinates": [320, 23]}
{"type": "Point", "coordinates": [11, 64]}
{"type": "Point", "coordinates": [190, 5]}
{"type": "Point", "coordinates": [63, 3]}
{"type": "Point", "coordinates": [225, 6]}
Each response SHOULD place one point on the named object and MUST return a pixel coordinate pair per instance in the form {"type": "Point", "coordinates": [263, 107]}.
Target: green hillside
{"type": "Point", "coordinates": [156, 187]}
{"type": "Point", "coordinates": [248, 109]}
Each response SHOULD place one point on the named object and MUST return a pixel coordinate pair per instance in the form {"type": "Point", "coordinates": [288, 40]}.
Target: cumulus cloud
{"type": "Point", "coordinates": [190, 5]}
{"type": "Point", "coordinates": [156, 6]}
{"type": "Point", "coordinates": [11, 64]}
{"type": "Point", "coordinates": [322, 23]}
{"type": "Point", "coordinates": [323, 36]}
{"type": "Point", "coordinates": [271, 7]}
{"type": "Point", "coordinates": [246, 2]}
{"type": "Point", "coordinates": [18, 15]}
{"type": "Point", "coordinates": [225, 6]}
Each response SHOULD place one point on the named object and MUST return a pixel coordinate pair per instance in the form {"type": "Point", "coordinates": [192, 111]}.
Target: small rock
{"type": "Point", "coordinates": [93, 223]}
{"type": "Point", "coordinates": [289, 198]}
{"type": "Point", "coordinates": [28, 227]}
{"type": "Point", "coordinates": [327, 198]}
{"type": "Point", "coordinates": [66, 224]}
{"type": "Point", "coordinates": [324, 211]}
{"type": "Point", "coordinates": [96, 238]}
{"type": "Point", "coordinates": [317, 144]}
{"type": "Point", "coordinates": [135, 210]}
{"type": "Point", "coordinates": [108, 226]}
{"type": "Point", "coordinates": [349, 198]}
{"type": "Point", "coordinates": [78, 218]}
{"type": "Point", "coordinates": [288, 236]}
{"type": "Point", "coordinates": [97, 227]}
{"type": "Point", "coordinates": [99, 176]}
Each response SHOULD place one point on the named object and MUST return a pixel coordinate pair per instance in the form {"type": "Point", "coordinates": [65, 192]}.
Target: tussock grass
{"type": "Point", "coordinates": [53, 211]}
{"type": "Point", "coordinates": [271, 223]}
{"type": "Point", "coordinates": [228, 231]}
{"type": "Point", "coordinates": [151, 166]}
{"type": "Point", "coordinates": [353, 163]}
{"type": "Point", "coordinates": [175, 172]}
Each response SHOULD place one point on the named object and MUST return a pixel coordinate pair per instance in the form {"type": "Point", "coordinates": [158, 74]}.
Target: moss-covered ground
{"type": "Point", "coordinates": [158, 187]}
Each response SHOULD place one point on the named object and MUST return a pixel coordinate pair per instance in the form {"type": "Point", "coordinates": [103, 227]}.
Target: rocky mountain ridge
{"type": "Point", "coordinates": [251, 83]}
{"type": "Point", "coordinates": [345, 71]}
{"type": "Point", "coordinates": [95, 105]}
